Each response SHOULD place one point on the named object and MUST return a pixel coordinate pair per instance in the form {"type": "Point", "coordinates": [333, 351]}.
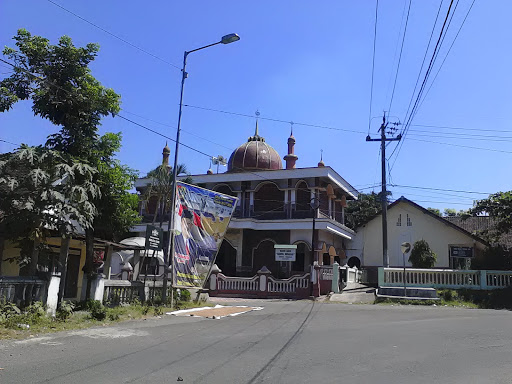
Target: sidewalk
{"type": "Point", "coordinates": [356, 294]}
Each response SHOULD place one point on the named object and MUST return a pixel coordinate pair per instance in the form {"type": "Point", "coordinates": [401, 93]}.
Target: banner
{"type": "Point", "coordinates": [201, 220]}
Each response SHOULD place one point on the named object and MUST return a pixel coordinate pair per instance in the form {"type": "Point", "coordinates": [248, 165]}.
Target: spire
{"type": "Point", "coordinates": [291, 157]}
{"type": "Point", "coordinates": [321, 162]}
{"type": "Point", "coordinates": [256, 136]}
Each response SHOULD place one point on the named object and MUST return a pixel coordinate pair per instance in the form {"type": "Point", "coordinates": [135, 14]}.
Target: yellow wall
{"type": "Point", "coordinates": [8, 268]}
{"type": "Point", "coordinates": [440, 236]}
{"type": "Point", "coordinates": [12, 269]}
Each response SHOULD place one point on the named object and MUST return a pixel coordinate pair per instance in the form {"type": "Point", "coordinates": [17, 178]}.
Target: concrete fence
{"type": "Point", "coordinates": [263, 285]}
{"type": "Point", "coordinates": [24, 290]}
{"type": "Point", "coordinates": [445, 278]}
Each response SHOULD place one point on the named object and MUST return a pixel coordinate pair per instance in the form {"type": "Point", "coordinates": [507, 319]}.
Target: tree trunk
{"type": "Point", "coordinates": [2, 245]}
{"type": "Point", "coordinates": [156, 210]}
{"type": "Point", "coordinates": [89, 258]}
{"type": "Point", "coordinates": [63, 264]}
{"type": "Point", "coordinates": [34, 258]}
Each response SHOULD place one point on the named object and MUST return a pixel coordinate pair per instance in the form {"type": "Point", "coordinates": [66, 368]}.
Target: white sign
{"type": "Point", "coordinates": [285, 252]}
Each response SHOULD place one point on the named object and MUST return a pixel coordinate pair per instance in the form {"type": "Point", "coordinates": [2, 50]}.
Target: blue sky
{"type": "Point", "coordinates": [307, 62]}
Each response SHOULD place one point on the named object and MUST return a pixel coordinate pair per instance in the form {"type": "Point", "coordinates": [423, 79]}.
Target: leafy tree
{"type": "Point", "coordinates": [43, 190]}
{"type": "Point", "coordinates": [499, 207]}
{"type": "Point", "coordinates": [434, 211]}
{"type": "Point", "coordinates": [58, 80]}
{"type": "Point", "coordinates": [117, 207]}
{"type": "Point", "coordinates": [450, 212]}
{"type": "Point", "coordinates": [496, 257]}
{"type": "Point", "coordinates": [360, 211]}
{"type": "Point", "coordinates": [422, 256]}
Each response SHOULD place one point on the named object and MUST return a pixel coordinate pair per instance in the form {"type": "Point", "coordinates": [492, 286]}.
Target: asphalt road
{"type": "Point", "coordinates": [286, 342]}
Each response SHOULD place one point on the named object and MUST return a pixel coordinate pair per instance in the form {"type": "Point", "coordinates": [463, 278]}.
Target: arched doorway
{"type": "Point", "coordinates": [354, 262]}
{"type": "Point", "coordinates": [264, 255]}
{"type": "Point", "coordinates": [226, 258]}
{"type": "Point", "coordinates": [302, 258]}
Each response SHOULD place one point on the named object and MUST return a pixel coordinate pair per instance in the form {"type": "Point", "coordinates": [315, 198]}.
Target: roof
{"type": "Point", "coordinates": [402, 199]}
{"type": "Point", "coordinates": [480, 224]}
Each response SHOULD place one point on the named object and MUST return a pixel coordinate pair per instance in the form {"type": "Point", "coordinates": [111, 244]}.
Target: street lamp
{"type": "Point", "coordinates": [405, 248]}
{"type": "Point", "coordinates": [314, 204]}
{"type": "Point", "coordinates": [227, 39]}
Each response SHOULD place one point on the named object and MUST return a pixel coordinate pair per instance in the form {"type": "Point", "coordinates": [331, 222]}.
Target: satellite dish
{"type": "Point", "coordinates": [219, 160]}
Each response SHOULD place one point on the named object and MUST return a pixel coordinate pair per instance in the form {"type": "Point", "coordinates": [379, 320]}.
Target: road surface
{"type": "Point", "coordinates": [286, 342]}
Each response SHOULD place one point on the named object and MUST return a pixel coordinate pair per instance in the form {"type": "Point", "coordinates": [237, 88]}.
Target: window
{"type": "Point", "coordinates": [399, 222]}
{"type": "Point", "coordinates": [409, 222]}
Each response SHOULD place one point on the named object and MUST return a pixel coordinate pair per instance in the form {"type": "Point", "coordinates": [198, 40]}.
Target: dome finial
{"type": "Point", "coordinates": [321, 162]}
{"type": "Point", "coordinates": [291, 128]}
{"type": "Point", "coordinates": [257, 117]}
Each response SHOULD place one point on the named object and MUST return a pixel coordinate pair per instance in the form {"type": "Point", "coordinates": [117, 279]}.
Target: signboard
{"type": "Point", "coordinates": [201, 221]}
{"type": "Point", "coordinates": [154, 238]}
{"type": "Point", "coordinates": [285, 252]}
{"type": "Point", "coordinates": [456, 251]}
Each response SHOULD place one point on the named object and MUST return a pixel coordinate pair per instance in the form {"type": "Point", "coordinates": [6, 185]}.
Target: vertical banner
{"type": "Point", "coordinates": [201, 220]}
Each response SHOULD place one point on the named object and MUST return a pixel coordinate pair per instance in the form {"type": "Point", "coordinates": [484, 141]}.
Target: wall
{"type": "Point", "coordinates": [10, 269]}
{"type": "Point", "coordinates": [368, 240]}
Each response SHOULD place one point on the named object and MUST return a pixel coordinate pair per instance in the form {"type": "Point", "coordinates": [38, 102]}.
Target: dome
{"type": "Point", "coordinates": [255, 154]}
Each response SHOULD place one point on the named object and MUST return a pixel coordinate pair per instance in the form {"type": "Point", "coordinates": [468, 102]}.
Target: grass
{"type": "Point", "coordinates": [39, 323]}
{"type": "Point", "coordinates": [466, 298]}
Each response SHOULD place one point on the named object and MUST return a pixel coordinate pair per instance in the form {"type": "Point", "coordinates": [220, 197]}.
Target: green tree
{"type": "Point", "coordinates": [495, 257]}
{"type": "Point", "coordinates": [43, 190]}
{"type": "Point", "coordinates": [367, 206]}
{"type": "Point", "coordinates": [499, 207]}
{"type": "Point", "coordinates": [117, 207]}
{"type": "Point", "coordinates": [422, 256]}
{"type": "Point", "coordinates": [450, 212]}
{"type": "Point", "coordinates": [435, 211]}
{"type": "Point", "coordinates": [58, 80]}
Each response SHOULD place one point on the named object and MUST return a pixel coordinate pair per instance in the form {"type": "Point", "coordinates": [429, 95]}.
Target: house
{"type": "Point", "coordinates": [408, 222]}
{"type": "Point", "coordinates": [274, 207]}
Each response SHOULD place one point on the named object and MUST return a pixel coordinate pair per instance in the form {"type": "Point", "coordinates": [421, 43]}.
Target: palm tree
{"type": "Point", "coordinates": [161, 187]}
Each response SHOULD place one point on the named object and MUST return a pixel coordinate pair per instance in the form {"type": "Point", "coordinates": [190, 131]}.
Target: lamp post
{"type": "Point", "coordinates": [227, 39]}
{"type": "Point", "coordinates": [405, 248]}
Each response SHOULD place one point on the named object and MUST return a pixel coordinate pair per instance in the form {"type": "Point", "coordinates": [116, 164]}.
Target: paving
{"type": "Point", "coordinates": [285, 342]}
{"type": "Point", "coordinates": [355, 294]}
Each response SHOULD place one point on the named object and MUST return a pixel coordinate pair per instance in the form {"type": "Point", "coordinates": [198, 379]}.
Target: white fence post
{"type": "Point", "coordinates": [52, 295]}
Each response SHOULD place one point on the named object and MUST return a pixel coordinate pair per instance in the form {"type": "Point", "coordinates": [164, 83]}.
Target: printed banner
{"type": "Point", "coordinates": [201, 220]}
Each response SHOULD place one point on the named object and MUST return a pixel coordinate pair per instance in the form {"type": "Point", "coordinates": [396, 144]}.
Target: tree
{"type": "Point", "coordinates": [422, 256]}
{"type": "Point", "coordinates": [499, 207]}
{"type": "Point", "coordinates": [117, 207]}
{"type": "Point", "coordinates": [161, 187]}
{"type": "Point", "coordinates": [367, 206]}
{"type": "Point", "coordinates": [435, 211]}
{"type": "Point", "coordinates": [58, 80]}
{"type": "Point", "coordinates": [450, 212]}
{"type": "Point", "coordinates": [43, 190]}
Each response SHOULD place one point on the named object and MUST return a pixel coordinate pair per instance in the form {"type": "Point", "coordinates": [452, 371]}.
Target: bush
{"type": "Point", "coordinates": [422, 256]}
{"type": "Point", "coordinates": [184, 295]}
{"type": "Point", "coordinates": [65, 310]}
{"type": "Point", "coordinates": [7, 311]}
{"type": "Point", "coordinates": [96, 309]}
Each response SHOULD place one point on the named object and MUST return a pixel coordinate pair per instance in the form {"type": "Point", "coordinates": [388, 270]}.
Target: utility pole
{"type": "Point", "coordinates": [383, 139]}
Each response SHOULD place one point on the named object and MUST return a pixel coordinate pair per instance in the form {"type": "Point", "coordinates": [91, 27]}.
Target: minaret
{"type": "Point", "coordinates": [291, 157]}
{"type": "Point", "coordinates": [165, 155]}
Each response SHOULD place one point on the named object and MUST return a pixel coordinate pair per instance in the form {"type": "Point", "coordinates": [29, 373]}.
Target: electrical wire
{"type": "Point", "coordinates": [114, 35]}
{"type": "Point", "coordinates": [9, 142]}
{"type": "Point", "coordinates": [373, 62]}
{"type": "Point", "coordinates": [400, 56]}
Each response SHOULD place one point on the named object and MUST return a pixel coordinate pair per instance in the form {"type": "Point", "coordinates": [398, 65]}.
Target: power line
{"type": "Point", "coordinates": [113, 35]}
{"type": "Point", "coordinates": [441, 189]}
{"type": "Point", "coordinates": [400, 56]}
{"type": "Point", "coordinates": [373, 62]}
{"type": "Point", "coordinates": [448, 52]}
{"type": "Point", "coordinates": [462, 146]}
{"type": "Point", "coordinates": [424, 57]}
{"type": "Point", "coordinates": [274, 120]}
{"type": "Point", "coordinates": [9, 142]}
{"type": "Point", "coordinates": [459, 128]}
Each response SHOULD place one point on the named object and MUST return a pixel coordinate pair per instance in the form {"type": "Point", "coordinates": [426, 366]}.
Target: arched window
{"type": "Point", "coordinates": [225, 189]}
{"type": "Point", "coordinates": [268, 198]}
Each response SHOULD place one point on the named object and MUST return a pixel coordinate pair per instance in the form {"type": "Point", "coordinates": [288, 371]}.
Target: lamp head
{"type": "Point", "coordinates": [231, 38]}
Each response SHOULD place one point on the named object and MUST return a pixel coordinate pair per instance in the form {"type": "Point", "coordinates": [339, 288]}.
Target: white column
{"type": "Point", "coordinates": [239, 196]}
